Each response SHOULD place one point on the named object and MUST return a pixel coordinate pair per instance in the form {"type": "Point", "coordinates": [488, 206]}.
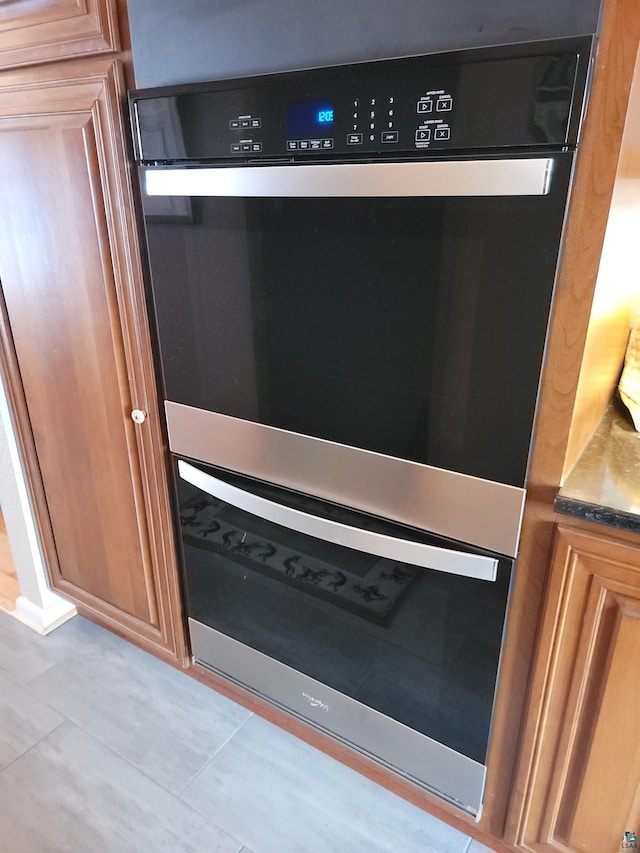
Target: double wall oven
{"type": "Point", "coordinates": [352, 271]}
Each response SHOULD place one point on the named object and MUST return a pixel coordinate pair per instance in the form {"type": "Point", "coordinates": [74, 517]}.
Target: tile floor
{"type": "Point", "coordinates": [105, 749]}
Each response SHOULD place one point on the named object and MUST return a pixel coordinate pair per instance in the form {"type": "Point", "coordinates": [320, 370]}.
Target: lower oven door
{"type": "Point", "coordinates": [383, 636]}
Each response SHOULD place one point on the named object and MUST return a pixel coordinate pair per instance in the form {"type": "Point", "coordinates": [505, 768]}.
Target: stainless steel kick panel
{"type": "Point", "coordinates": [433, 765]}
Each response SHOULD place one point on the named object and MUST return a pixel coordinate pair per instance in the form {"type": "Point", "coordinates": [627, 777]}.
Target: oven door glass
{"type": "Point", "coordinates": [412, 327]}
{"type": "Point", "coordinates": [420, 646]}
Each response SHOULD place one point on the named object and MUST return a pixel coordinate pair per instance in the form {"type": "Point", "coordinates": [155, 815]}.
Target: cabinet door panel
{"type": "Point", "coordinates": [584, 785]}
{"type": "Point", "coordinates": [33, 31]}
{"type": "Point", "coordinates": [57, 286]}
{"type": "Point", "coordinates": [610, 763]}
{"type": "Point", "coordinates": [77, 328]}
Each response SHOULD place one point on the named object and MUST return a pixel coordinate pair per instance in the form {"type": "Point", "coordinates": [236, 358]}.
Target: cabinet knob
{"type": "Point", "coordinates": [138, 416]}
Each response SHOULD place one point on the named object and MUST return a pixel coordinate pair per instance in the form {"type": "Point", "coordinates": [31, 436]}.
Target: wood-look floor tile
{"type": "Point", "coordinates": [24, 720]}
{"type": "Point", "coordinates": [24, 654]}
{"type": "Point", "coordinates": [70, 793]}
{"type": "Point", "coordinates": [157, 718]}
{"type": "Point", "coordinates": [279, 795]}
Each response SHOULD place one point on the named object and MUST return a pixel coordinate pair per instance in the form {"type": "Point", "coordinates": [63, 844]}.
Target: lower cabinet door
{"type": "Point", "coordinates": [75, 341]}
{"type": "Point", "coordinates": [584, 782]}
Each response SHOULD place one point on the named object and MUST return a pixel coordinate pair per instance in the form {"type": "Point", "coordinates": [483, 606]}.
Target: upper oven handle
{"type": "Point", "coordinates": [429, 556]}
{"type": "Point", "coordinates": [452, 178]}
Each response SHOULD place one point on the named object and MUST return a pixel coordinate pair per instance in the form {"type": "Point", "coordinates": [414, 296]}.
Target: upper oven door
{"type": "Point", "coordinates": [397, 308]}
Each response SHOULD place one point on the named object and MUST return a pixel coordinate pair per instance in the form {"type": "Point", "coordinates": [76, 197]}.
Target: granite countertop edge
{"type": "Point", "coordinates": [604, 485]}
{"type": "Point", "coordinates": [596, 513]}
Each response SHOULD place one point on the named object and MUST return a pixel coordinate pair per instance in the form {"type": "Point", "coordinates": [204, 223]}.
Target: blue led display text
{"type": "Point", "coordinates": [306, 119]}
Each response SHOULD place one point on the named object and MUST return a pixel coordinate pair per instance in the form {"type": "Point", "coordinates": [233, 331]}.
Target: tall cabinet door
{"type": "Point", "coordinates": [75, 316]}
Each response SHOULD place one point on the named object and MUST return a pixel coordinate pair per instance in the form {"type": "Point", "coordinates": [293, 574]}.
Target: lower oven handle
{"type": "Point", "coordinates": [404, 550]}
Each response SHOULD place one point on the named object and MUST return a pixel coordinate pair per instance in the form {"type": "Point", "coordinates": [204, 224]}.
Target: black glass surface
{"type": "Point", "coordinates": [410, 327]}
{"type": "Point", "coordinates": [506, 97]}
{"type": "Point", "coordinates": [418, 645]}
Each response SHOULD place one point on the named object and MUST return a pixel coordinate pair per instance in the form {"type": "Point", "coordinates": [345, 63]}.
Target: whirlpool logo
{"type": "Point", "coordinates": [629, 841]}
{"type": "Point", "coordinates": [315, 703]}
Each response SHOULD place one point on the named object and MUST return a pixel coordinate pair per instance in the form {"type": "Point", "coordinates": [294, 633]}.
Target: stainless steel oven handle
{"type": "Point", "coordinates": [428, 556]}
{"type": "Point", "coordinates": [447, 179]}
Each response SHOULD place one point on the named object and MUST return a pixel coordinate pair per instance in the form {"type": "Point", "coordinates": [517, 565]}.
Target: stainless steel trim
{"type": "Point", "coordinates": [454, 505]}
{"type": "Point", "coordinates": [428, 556]}
{"type": "Point", "coordinates": [437, 767]}
{"type": "Point", "coordinates": [137, 135]}
{"type": "Point", "coordinates": [513, 177]}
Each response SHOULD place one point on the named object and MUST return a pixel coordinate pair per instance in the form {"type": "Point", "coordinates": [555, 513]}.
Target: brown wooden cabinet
{"type": "Point", "coordinates": [583, 790]}
{"type": "Point", "coordinates": [77, 345]}
{"type": "Point", "coordinates": [34, 31]}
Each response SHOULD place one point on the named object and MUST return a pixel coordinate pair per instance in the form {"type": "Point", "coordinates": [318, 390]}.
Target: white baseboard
{"type": "Point", "coordinates": [43, 619]}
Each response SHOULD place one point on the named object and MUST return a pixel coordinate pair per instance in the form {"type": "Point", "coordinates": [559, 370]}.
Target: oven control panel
{"type": "Point", "coordinates": [415, 105]}
{"type": "Point", "coordinates": [372, 121]}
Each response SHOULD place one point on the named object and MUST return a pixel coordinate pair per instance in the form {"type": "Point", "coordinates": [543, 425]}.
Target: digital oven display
{"type": "Point", "coordinates": [309, 118]}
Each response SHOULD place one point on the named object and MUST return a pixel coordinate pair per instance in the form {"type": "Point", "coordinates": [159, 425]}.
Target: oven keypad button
{"type": "Point", "coordinates": [441, 133]}
{"type": "Point", "coordinates": [425, 105]}
{"type": "Point", "coordinates": [308, 144]}
{"type": "Point", "coordinates": [445, 104]}
{"type": "Point", "coordinates": [354, 139]}
{"type": "Point", "coordinates": [245, 121]}
{"type": "Point", "coordinates": [389, 136]}
{"type": "Point", "coordinates": [423, 135]}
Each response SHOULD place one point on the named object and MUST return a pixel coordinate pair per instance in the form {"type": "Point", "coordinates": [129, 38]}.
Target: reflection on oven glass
{"type": "Point", "coordinates": [417, 645]}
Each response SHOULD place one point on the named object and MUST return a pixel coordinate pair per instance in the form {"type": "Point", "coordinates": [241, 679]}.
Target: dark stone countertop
{"type": "Point", "coordinates": [604, 484]}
